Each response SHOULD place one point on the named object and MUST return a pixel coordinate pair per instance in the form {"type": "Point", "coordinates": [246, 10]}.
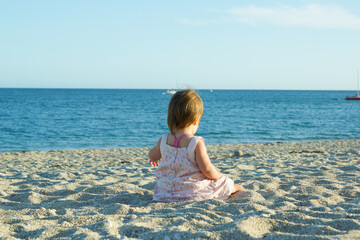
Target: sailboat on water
{"type": "Point", "coordinates": [171, 91]}
{"type": "Point", "coordinates": [357, 96]}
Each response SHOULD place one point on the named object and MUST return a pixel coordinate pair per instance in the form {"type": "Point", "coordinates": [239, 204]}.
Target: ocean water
{"type": "Point", "coordinates": [56, 119]}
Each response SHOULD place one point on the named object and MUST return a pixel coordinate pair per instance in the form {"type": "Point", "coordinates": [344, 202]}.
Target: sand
{"type": "Point", "coordinates": [307, 190]}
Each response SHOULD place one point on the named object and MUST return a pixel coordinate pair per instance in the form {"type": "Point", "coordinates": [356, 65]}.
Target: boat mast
{"type": "Point", "coordinates": [358, 82]}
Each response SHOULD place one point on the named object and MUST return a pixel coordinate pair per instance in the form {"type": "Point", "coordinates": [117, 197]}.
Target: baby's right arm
{"type": "Point", "coordinates": [155, 154]}
{"type": "Point", "coordinates": [204, 163]}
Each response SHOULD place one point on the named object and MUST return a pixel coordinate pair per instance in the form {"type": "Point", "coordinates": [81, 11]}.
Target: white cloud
{"type": "Point", "coordinates": [312, 16]}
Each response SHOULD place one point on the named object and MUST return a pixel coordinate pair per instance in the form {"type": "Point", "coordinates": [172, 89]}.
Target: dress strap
{"type": "Point", "coordinates": [176, 140]}
{"type": "Point", "coordinates": [192, 145]}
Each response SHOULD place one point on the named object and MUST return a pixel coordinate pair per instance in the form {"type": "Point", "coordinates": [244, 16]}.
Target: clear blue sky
{"type": "Point", "coordinates": [205, 44]}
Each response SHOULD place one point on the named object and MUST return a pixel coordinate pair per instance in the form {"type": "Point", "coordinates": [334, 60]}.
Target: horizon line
{"type": "Point", "coordinates": [203, 89]}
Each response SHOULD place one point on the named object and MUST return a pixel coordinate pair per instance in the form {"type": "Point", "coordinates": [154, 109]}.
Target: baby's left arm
{"type": "Point", "coordinates": [204, 163]}
{"type": "Point", "coordinates": [155, 154]}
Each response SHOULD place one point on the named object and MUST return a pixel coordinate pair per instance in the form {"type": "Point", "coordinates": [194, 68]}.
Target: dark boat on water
{"type": "Point", "coordinates": [356, 97]}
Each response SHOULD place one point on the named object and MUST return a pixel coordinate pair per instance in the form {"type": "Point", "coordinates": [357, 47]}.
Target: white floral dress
{"type": "Point", "coordinates": [179, 177]}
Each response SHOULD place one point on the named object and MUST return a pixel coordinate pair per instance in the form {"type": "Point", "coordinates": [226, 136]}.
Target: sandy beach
{"type": "Point", "coordinates": [308, 190]}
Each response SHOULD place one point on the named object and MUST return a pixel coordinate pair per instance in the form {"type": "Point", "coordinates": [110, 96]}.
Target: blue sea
{"type": "Point", "coordinates": [57, 119]}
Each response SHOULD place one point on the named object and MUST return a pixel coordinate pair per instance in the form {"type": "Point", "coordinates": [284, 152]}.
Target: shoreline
{"type": "Point", "coordinates": [207, 145]}
{"type": "Point", "coordinates": [300, 190]}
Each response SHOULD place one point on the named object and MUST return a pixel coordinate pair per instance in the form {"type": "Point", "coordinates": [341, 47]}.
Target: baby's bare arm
{"type": "Point", "coordinates": [155, 154]}
{"type": "Point", "coordinates": [204, 163]}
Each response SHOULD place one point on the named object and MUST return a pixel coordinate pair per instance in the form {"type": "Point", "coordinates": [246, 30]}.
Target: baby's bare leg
{"type": "Point", "coordinates": [237, 188]}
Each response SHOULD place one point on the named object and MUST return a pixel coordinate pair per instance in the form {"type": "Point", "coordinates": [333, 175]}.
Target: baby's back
{"type": "Point", "coordinates": [178, 172]}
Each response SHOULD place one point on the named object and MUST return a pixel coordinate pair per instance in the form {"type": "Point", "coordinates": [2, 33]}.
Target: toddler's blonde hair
{"type": "Point", "coordinates": [185, 107]}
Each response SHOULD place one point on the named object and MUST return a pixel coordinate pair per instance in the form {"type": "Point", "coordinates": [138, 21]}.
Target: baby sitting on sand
{"type": "Point", "coordinates": [185, 171]}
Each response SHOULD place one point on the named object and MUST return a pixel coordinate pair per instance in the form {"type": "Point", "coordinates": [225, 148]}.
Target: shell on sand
{"type": "Point", "coordinates": [305, 190]}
